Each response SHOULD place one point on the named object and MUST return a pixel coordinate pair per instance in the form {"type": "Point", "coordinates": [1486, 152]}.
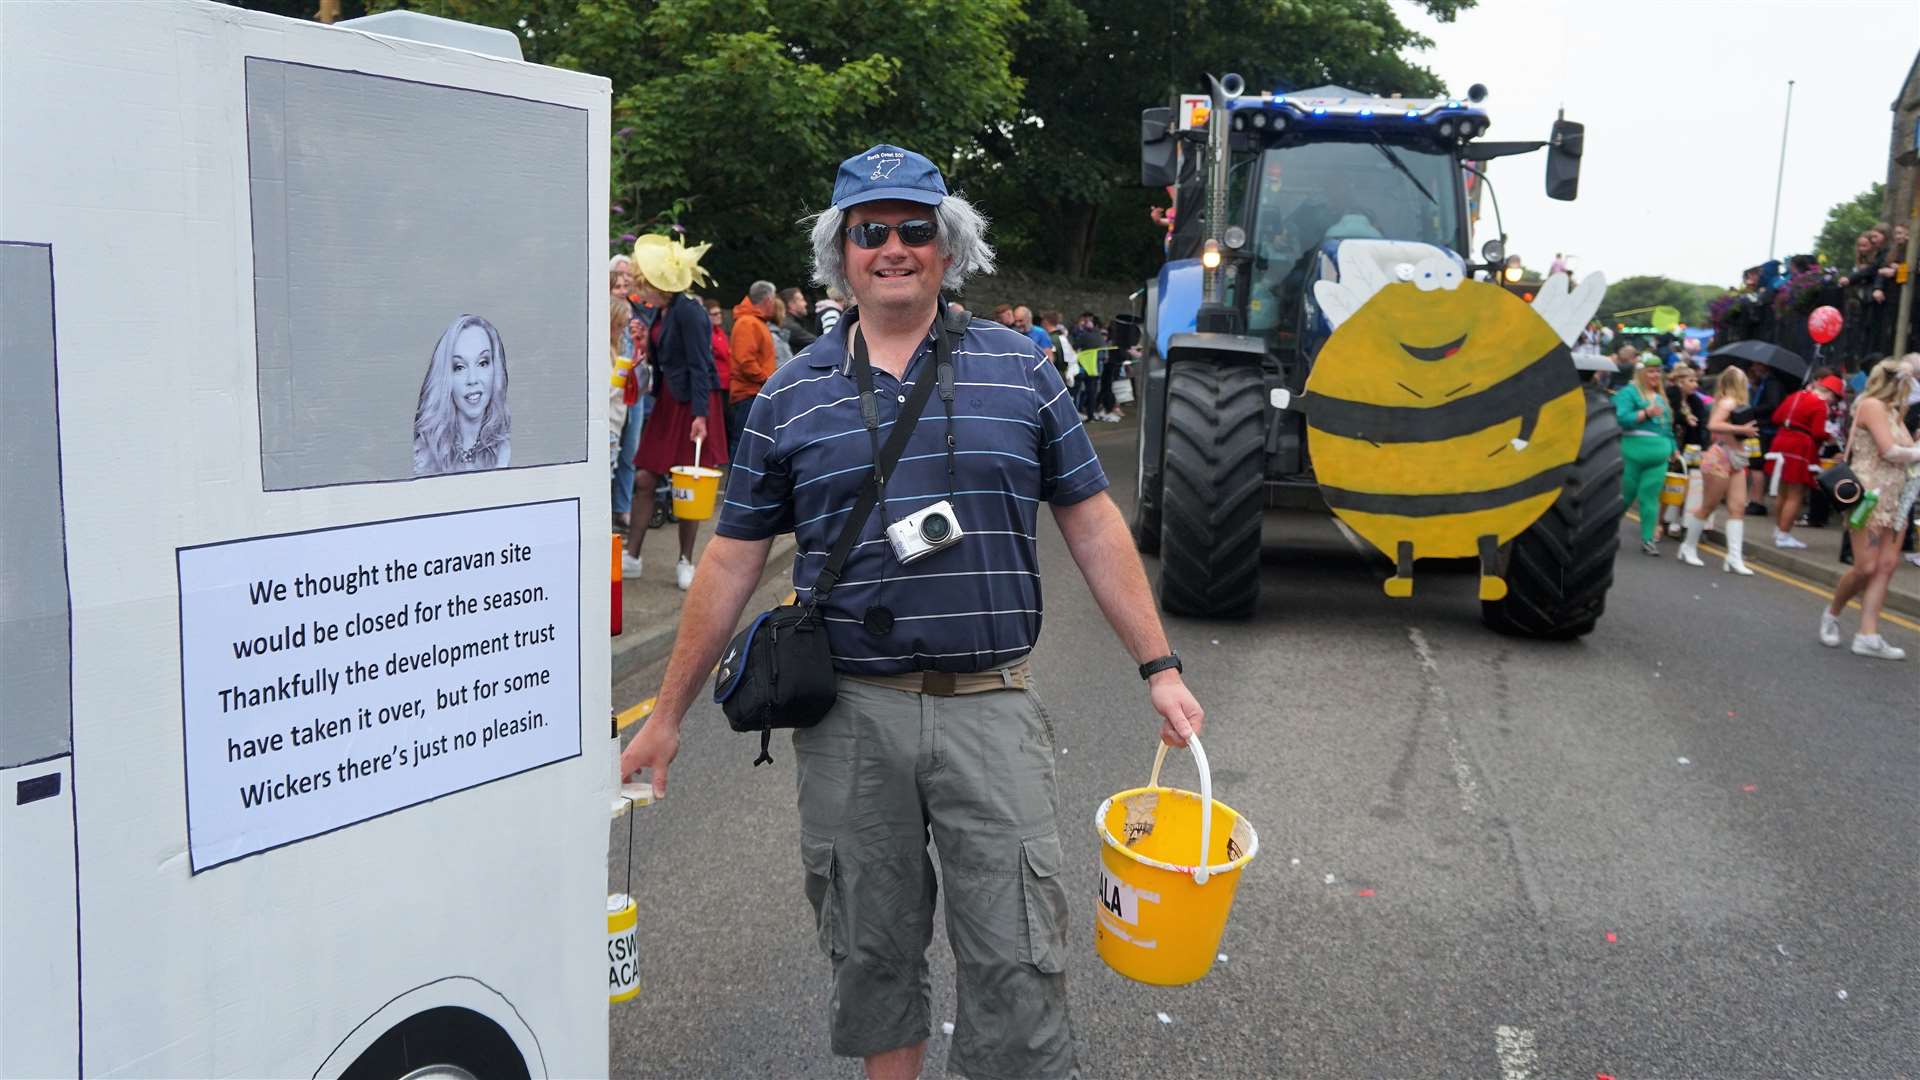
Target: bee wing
{"type": "Point", "coordinates": [1337, 301]}
{"type": "Point", "coordinates": [1568, 312]}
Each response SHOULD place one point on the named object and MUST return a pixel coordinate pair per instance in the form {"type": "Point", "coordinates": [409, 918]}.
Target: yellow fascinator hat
{"type": "Point", "coordinates": [669, 265]}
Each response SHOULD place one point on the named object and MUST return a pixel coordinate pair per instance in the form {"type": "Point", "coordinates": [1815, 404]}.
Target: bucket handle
{"type": "Point", "coordinates": [696, 452]}
{"type": "Point", "coordinates": [1200, 873]}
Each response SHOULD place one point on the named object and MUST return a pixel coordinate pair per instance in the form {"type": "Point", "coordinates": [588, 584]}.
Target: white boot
{"type": "Point", "coordinates": [1736, 539]}
{"type": "Point", "coordinates": [1690, 547]}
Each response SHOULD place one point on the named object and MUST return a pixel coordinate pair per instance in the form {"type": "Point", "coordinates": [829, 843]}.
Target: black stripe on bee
{"type": "Point", "coordinates": [1525, 391]}
{"type": "Point", "coordinates": [1452, 502]}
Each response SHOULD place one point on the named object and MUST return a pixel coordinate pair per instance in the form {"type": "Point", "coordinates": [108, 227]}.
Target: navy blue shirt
{"type": "Point", "coordinates": [805, 455]}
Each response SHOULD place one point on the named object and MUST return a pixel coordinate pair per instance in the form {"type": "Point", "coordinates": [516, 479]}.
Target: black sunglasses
{"type": "Point", "coordinates": [873, 234]}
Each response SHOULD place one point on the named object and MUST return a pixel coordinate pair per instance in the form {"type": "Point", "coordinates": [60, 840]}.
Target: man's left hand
{"type": "Point", "coordinates": [1180, 715]}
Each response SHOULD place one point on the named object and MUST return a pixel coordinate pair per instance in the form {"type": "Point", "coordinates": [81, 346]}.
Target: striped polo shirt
{"type": "Point", "coordinates": [805, 456]}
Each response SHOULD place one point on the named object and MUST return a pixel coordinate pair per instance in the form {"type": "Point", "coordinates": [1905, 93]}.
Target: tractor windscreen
{"type": "Point", "coordinates": [1320, 191]}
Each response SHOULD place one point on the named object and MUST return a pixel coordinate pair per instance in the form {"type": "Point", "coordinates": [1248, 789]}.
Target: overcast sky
{"type": "Point", "coordinates": [1683, 101]}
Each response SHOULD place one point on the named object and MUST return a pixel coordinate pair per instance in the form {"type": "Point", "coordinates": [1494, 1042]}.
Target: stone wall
{"type": "Point", "coordinates": [1042, 291]}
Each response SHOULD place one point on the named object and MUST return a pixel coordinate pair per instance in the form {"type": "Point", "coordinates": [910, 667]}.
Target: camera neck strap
{"type": "Point", "coordinates": [887, 456]}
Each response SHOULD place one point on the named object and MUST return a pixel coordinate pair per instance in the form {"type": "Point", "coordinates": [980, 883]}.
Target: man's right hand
{"type": "Point", "coordinates": [655, 747]}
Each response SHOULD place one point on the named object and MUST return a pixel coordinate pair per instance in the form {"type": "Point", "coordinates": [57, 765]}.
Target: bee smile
{"type": "Point", "coordinates": [1437, 353]}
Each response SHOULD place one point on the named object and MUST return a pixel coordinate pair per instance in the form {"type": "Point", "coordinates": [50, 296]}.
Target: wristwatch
{"type": "Point", "coordinates": [1171, 660]}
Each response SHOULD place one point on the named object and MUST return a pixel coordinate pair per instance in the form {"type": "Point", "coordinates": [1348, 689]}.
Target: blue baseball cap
{"type": "Point", "coordinates": [887, 172]}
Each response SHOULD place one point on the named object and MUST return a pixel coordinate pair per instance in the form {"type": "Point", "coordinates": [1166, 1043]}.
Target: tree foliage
{"type": "Point", "coordinates": [1632, 294]}
{"type": "Point", "coordinates": [730, 117]}
{"type": "Point", "coordinates": [1061, 179]}
{"type": "Point", "coordinates": [1845, 222]}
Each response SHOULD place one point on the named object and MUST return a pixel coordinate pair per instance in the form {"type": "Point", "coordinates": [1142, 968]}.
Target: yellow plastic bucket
{"type": "Point", "coordinates": [1169, 864]}
{"type": "Point", "coordinates": [1675, 491]}
{"type": "Point", "coordinates": [695, 489]}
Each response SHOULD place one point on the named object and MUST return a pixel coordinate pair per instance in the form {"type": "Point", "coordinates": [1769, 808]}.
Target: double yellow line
{"type": "Point", "coordinates": [1885, 616]}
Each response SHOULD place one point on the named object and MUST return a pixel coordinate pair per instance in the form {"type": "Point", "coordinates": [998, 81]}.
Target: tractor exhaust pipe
{"type": "Point", "coordinates": [1222, 91]}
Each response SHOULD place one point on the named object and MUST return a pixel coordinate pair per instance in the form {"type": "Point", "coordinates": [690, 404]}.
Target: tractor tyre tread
{"type": "Point", "coordinates": [1213, 489]}
{"type": "Point", "coordinates": [1560, 568]}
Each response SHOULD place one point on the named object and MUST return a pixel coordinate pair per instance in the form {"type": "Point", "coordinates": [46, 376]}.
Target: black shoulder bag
{"type": "Point", "coordinates": [778, 672]}
{"type": "Point", "coordinates": [1839, 482]}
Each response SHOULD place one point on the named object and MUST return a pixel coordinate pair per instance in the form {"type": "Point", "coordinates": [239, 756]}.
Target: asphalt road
{"type": "Point", "coordinates": [1682, 846]}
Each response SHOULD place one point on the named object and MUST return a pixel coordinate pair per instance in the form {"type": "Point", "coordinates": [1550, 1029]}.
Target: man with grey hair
{"type": "Point", "coordinates": [754, 356]}
{"type": "Point", "coordinates": [935, 731]}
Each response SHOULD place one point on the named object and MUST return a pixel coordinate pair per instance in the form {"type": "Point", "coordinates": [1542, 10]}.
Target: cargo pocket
{"type": "Point", "coordinates": [823, 892]}
{"type": "Point", "coordinates": [1045, 946]}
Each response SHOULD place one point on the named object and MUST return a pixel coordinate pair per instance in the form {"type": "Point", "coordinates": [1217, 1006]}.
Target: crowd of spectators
{"type": "Point", "coordinates": [1091, 356]}
{"type": "Point", "coordinates": [1774, 300]}
{"type": "Point", "coordinates": [1763, 435]}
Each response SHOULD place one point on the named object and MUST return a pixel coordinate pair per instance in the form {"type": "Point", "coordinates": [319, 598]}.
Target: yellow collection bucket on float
{"type": "Point", "coordinates": [623, 914]}
{"type": "Point", "coordinates": [1170, 861]}
{"type": "Point", "coordinates": [695, 489]}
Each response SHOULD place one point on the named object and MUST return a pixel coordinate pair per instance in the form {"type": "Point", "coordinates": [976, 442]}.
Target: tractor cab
{"type": "Point", "coordinates": [1301, 172]}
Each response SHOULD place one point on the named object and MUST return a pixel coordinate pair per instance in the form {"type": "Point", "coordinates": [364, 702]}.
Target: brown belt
{"type": "Point", "coordinates": [954, 683]}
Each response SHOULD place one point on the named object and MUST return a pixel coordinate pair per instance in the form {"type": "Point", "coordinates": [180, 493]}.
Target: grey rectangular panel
{"type": "Point", "coordinates": [383, 211]}
{"type": "Point", "coordinates": [35, 696]}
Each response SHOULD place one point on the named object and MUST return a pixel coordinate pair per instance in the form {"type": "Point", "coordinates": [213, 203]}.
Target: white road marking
{"type": "Point", "coordinates": [1443, 715]}
{"type": "Point", "coordinates": [1518, 1058]}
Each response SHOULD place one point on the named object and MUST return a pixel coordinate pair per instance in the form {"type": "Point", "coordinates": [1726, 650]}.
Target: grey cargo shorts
{"type": "Point", "coordinates": [883, 770]}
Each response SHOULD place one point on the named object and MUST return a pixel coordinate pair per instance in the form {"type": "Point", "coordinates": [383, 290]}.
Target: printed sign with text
{"type": "Point", "coordinates": [333, 676]}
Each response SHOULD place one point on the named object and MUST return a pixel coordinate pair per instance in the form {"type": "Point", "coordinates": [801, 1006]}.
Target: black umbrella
{"type": "Point", "coordinates": [1743, 353]}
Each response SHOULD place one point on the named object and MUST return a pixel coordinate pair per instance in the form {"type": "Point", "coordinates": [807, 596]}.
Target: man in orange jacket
{"type": "Point", "coordinates": [752, 354]}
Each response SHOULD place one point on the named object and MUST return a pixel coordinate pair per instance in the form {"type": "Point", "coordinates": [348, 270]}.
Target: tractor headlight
{"type": "Point", "coordinates": [1210, 255]}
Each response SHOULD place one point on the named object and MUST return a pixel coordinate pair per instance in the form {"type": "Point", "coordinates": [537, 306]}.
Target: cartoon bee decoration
{"type": "Point", "coordinates": [1443, 414]}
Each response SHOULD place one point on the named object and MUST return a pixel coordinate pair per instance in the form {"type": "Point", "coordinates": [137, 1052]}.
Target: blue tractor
{"type": "Point", "coordinates": [1297, 216]}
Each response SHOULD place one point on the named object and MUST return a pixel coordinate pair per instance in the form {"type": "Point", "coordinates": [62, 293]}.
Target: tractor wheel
{"type": "Point", "coordinates": [1145, 520]}
{"type": "Point", "coordinates": [1559, 570]}
{"type": "Point", "coordinates": [1213, 489]}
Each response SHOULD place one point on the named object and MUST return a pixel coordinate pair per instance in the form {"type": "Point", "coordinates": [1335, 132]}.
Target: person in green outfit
{"type": "Point", "coordinates": [1646, 443]}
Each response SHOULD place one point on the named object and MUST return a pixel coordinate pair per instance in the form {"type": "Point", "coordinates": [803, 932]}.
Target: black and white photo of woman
{"type": "Point", "coordinates": [462, 423]}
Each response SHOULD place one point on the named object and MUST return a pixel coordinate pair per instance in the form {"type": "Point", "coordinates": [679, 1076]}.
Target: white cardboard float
{"type": "Point", "coordinates": [302, 705]}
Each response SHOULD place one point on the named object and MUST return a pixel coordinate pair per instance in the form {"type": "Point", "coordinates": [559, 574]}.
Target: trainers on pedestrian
{"type": "Point", "coordinates": [629, 567]}
{"type": "Point", "coordinates": [1650, 547]}
{"type": "Point", "coordinates": [1876, 646]}
{"type": "Point", "coordinates": [683, 573]}
{"type": "Point", "coordinates": [1829, 629]}
{"type": "Point", "coordinates": [1914, 558]}
{"type": "Point", "coordinates": [1787, 540]}
{"type": "Point", "coordinates": [1673, 528]}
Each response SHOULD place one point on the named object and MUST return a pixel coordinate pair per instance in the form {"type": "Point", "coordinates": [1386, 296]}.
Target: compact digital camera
{"type": "Point", "coordinates": [925, 531]}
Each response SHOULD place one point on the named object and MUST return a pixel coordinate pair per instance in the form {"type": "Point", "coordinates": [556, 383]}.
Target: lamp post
{"type": "Point", "coordinates": [1781, 177]}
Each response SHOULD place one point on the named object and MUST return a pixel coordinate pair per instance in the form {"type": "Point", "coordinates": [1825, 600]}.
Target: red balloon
{"type": "Point", "coordinates": [1824, 324]}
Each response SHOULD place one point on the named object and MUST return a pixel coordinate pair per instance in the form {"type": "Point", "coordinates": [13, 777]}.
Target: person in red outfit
{"type": "Point", "coordinates": [687, 393]}
{"type": "Point", "coordinates": [1802, 420]}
